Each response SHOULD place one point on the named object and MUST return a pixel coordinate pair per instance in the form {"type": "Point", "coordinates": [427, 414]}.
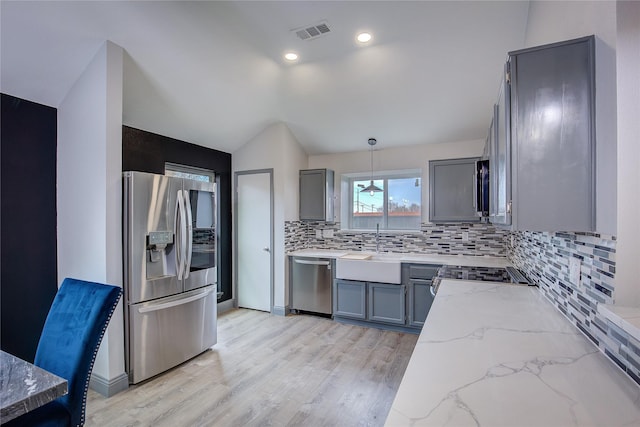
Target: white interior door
{"type": "Point", "coordinates": [254, 237]}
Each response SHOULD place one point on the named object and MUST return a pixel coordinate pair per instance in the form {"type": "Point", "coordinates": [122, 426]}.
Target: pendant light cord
{"type": "Point", "coordinates": [371, 156]}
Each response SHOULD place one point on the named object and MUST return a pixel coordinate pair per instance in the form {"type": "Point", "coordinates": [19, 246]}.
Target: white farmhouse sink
{"type": "Point", "coordinates": [376, 269]}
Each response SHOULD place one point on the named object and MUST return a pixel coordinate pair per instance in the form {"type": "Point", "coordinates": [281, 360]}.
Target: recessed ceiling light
{"type": "Point", "coordinates": [290, 56]}
{"type": "Point", "coordinates": [364, 37]}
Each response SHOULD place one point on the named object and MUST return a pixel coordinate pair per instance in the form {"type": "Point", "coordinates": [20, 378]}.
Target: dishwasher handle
{"type": "Point", "coordinates": [310, 262]}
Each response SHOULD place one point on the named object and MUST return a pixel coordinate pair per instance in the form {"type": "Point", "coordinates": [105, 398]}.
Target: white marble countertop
{"type": "Point", "coordinates": [501, 355]}
{"type": "Point", "coordinates": [318, 253]}
{"type": "Point", "coordinates": [473, 261]}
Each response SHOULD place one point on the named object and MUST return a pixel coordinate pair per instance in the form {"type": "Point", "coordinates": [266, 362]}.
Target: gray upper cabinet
{"type": "Point", "coordinates": [452, 190]}
{"type": "Point", "coordinates": [499, 144]}
{"type": "Point", "coordinates": [553, 137]}
{"type": "Point", "coordinates": [316, 195]}
{"type": "Point", "coordinates": [419, 301]}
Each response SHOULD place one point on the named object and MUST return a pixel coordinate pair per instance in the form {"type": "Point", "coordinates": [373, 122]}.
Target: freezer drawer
{"type": "Point", "coordinates": [166, 332]}
{"type": "Point", "coordinates": [311, 285]}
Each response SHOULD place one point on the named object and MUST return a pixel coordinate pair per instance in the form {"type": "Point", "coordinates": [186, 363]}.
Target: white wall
{"type": "Point", "coordinates": [276, 148]}
{"type": "Point", "coordinates": [89, 193]}
{"type": "Point", "coordinates": [553, 21]}
{"type": "Point", "coordinates": [411, 157]}
{"type": "Point", "coordinates": [628, 72]}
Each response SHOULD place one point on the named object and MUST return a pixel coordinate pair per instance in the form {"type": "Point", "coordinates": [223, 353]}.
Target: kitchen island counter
{"type": "Point", "coordinates": [494, 354]}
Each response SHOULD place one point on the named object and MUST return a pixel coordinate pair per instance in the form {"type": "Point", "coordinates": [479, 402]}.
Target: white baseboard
{"type": "Point", "coordinates": [107, 387]}
{"type": "Point", "coordinates": [231, 304]}
{"type": "Point", "coordinates": [227, 305]}
{"type": "Point", "coordinates": [280, 310]}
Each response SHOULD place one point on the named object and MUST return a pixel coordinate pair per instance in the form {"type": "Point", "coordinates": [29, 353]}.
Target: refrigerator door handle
{"type": "Point", "coordinates": [165, 305]}
{"type": "Point", "coordinates": [180, 234]}
{"type": "Point", "coordinates": [177, 241]}
{"type": "Point", "coordinates": [189, 227]}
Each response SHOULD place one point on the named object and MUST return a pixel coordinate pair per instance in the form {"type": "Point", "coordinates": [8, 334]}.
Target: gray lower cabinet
{"type": "Point", "coordinates": [394, 306]}
{"type": "Point", "coordinates": [386, 303]}
{"type": "Point", "coordinates": [417, 278]}
{"type": "Point", "coordinates": [419, 300]}
{"type": "Point", "coordinates": [350, 299]}
{"type": "Point", "coordinates": [382, 303]}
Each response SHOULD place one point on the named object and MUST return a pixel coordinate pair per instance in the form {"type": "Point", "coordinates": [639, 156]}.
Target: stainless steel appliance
{"type": "Point", "coordinates": [484, 274]}
{"type": "Point", "coordinates": [170, 271]}
{"type": "Point", "coordinates": [311, 284]}
{"type": "Point", "coordinates": [481, 180]}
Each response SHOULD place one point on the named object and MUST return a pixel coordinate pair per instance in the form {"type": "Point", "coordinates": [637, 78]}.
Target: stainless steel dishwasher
{"type": "Point", "coordinates": [311, 284]}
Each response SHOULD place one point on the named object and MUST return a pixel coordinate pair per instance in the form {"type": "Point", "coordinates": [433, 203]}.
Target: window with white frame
{"type": "Point", "coordinates": [397, 207]}
{"type": "Point", "coordinates": [189, 172]}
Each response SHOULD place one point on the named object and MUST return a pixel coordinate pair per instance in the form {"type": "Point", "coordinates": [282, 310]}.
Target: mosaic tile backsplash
{"type": "Point", "coordinates": [544, 259]}
{"type": "Point", "coordinates": [449, 239]}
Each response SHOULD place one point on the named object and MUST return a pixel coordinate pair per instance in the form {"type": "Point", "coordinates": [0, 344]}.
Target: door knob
{"type": "Point", "coordinates": [266, 249]}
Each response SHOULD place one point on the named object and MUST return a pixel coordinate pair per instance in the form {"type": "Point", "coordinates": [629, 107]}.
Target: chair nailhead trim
{"type": "Point", "coordinates": [93, 359]}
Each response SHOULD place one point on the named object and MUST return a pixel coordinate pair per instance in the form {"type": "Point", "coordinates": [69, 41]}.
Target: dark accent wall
{"type": "Point", "coordinates": [28, 222]}
{"type": "Point", "coordinates": [148, 152]}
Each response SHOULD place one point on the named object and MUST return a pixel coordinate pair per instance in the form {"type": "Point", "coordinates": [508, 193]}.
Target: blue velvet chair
{"type": "Point", "coordinates": [68, 346]}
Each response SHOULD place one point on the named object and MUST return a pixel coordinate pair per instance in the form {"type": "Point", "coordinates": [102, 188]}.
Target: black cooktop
{"type": "Point", "coordinates": [485, 274]}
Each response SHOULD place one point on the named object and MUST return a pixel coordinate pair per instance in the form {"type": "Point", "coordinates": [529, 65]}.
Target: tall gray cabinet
{"type": "Point", "coordinates": [543, 153]}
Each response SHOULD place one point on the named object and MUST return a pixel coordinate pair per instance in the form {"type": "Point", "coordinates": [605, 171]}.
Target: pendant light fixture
{"type": "Point", "coordinates": [371, 188]}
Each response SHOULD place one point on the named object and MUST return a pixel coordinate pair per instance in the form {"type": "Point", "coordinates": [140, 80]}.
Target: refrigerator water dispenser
{"type": "Point", "coordinates": [159, 244]}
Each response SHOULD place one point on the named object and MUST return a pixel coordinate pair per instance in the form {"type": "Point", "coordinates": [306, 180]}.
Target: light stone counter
{"type": "Point", "coordinates": [318, 253]}
{"type": "Point", "coordinates": [472, 261]}
{"type": "Point", "coordinates": [501, 355]}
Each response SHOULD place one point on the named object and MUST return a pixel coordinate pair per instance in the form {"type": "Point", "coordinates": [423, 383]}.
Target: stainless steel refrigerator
{"type": "Point", "coordinates": [170, 273]}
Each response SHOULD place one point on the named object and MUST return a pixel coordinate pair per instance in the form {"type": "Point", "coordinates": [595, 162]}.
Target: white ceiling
{"type": "Point", "coordinates": [212, 73]}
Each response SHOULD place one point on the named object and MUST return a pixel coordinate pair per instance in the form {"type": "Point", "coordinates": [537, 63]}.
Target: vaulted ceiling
{"type": "Point", "coordinates": [212, 72]}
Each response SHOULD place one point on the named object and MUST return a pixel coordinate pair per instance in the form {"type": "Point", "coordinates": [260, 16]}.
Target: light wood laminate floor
{"type": "Point", "coordinates": [270, 370]}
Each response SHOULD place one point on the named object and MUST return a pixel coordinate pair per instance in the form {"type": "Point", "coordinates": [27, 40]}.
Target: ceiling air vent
{"type": "Point", "coordinates": [312, 31]}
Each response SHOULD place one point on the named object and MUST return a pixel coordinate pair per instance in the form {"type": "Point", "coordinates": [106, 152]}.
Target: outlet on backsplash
{"type": "Point", "coordinates": [465, 236]}
{"type": "Point", "coordinates": [574, 271]}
